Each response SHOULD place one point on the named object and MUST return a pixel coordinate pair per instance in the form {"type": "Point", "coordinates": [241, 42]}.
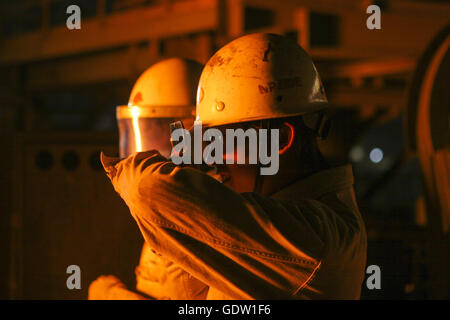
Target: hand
{"type": "Point", "coordinates": [108, 162]}
{"type": "Point", "coordinates": [101, 288]}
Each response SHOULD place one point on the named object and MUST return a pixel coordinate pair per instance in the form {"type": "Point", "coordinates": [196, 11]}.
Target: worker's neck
{"type": "Point", "coordinates": [290, 173]}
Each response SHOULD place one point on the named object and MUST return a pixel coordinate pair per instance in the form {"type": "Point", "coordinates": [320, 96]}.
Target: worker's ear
{"type": "Point", "coordinates": [287, 135]}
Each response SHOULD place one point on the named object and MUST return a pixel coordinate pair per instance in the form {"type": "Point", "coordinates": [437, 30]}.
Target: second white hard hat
{"type": "Point", "coordinates": [165, 90]}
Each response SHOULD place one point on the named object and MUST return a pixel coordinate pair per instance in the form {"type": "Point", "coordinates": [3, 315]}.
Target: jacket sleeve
{"type": "Point", "coordinates": [162, 279]}
{"type": "Point", "coordinates": [245, 245]}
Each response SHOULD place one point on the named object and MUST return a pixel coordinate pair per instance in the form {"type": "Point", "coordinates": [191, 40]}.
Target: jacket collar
{"type": "Point", "coordinates": [318, 184]}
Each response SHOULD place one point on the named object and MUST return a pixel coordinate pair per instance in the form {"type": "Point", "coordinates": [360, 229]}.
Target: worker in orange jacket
{"type": "Point", "coordinates": [294, 233]}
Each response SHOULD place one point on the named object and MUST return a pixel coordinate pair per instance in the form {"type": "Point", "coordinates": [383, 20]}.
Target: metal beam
{"type": "Point", "coordinates": [120, 29]}
{"type": "Point", "coordinates": [123, 64]}
{"type": "Point", "coordinates": [401, 34]}
{"type": "Point", "coordinates": [369, 68]}
{"type": "Point", "coordinates": [358, 97]}
{"type": "Point", "coordinates": [112, 65]}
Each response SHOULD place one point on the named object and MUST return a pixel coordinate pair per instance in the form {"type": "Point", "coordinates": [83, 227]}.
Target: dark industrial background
{"type": "Point", "coordinates": [389, 95]}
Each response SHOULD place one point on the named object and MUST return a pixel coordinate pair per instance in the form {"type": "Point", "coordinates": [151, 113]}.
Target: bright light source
{"type": "Point", "coordinates": [356, 154]}
{"type": "Point", "coordinates": [376, 155]}
{"type": "Point", "coordinates": [135, 112]}
{"type": "Point", "coordinates": [137, 131]}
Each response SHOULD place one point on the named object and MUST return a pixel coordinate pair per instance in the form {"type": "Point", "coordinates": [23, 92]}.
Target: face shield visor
{"type": "Point", "coordinates": [147, 128]}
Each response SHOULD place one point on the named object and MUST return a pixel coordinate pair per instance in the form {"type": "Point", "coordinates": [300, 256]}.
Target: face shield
{"type": "Point", "coordinates": [140, 130]}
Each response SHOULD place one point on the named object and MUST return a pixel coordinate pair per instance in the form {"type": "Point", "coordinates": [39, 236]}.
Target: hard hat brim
{"type": "Point", "coordinates": [140, 111]}
{"type": "Point", "coordinates": [313, 107]}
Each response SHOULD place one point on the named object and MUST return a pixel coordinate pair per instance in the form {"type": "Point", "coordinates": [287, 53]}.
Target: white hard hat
{"type": "Point", "coordinates": [163, 93]}
{"type": "Point", "coordinates": [165, 90]}
{"type": "Point", "coordinates": [258, 76]}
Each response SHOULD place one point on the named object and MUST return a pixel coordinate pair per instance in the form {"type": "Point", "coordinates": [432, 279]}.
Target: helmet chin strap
{"type": "Point", "coordinates": [317, 122]}
{"type": "Point", "coordinates": [259, 179]}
